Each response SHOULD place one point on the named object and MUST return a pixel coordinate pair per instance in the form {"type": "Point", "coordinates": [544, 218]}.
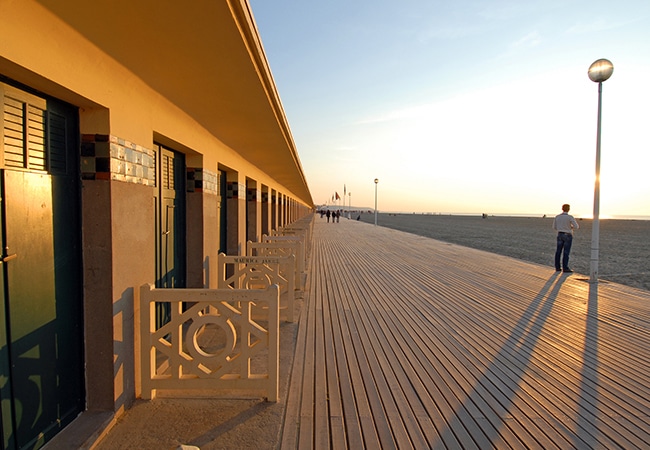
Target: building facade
{"type": "Point", "coordinates": [137, 141]}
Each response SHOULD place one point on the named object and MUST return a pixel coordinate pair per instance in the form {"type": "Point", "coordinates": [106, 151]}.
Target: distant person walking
{"type": "Point", "coordinates": [328, 214]}
{"type": "Point", "coordinates": [564, 224]}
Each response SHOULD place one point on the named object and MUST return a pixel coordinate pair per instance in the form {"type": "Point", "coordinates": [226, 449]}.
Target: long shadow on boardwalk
{"type": "Point", "coordinates": [499, 377]}
{"type": "Point", "coordinates": [589, 376]}
{"type": "Point", "coordinates": [578, 426]}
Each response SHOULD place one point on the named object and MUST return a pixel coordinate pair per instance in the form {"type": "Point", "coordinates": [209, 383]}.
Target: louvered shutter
{"type": "Point", "coordinates": [32, 138]}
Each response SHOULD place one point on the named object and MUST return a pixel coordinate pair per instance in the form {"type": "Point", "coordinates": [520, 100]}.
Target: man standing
{"type": "Point", "coordinates": [564, 224]}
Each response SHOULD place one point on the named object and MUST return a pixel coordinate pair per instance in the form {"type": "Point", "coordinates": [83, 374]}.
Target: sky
{"type": "Point", "coordinates": [465, 106]}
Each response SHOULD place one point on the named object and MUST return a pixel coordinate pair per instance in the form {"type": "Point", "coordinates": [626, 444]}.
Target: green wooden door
{"type": "Point", "coordinates": [41, 358]}
{"type": "Point", "coordinates": [169, 205]}
{"type": "Point", "coordinates": [223, 212]}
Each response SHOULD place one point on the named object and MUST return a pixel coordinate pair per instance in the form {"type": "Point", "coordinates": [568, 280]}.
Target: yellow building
{"type": "Point", "coordinates": [139, 139]}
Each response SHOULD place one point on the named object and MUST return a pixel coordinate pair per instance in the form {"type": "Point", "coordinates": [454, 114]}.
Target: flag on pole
{"type": "Point", "coordinates": [337, 196]}
{"type": "Point", "coordinates": [343, 190]}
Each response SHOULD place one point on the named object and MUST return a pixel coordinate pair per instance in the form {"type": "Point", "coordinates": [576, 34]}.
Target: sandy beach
{"type": "Point", "coordinates": [623, 253]}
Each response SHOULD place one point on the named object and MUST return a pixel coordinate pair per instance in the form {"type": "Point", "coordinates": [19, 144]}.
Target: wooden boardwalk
{"type": "Point", "coordinates": [408, 342]}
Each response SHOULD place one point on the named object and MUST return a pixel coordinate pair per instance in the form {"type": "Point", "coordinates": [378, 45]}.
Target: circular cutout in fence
{"type": "Point", "coordinates": [211, 339]}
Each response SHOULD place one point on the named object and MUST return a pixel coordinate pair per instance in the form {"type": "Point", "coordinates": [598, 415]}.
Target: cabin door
{"type": "Point", "coordinates": [223, 213]}
{"type": "Point", "coordinates": [41, 332]}
{"type": "Point", "coordinates": [169, 204]}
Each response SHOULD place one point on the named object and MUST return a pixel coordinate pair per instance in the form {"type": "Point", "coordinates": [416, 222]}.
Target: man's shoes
{"type": "Point", "coordinates": [557, 269]}
{"type": "Point", "coordinates": [567, 271]}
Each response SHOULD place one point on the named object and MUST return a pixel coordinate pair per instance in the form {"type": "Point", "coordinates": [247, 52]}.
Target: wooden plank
{"type": "Point", "coordinates": [335, 381]}
{"type": "Point", "coordinates": [358, 414]}
{"type": "Point", "coordinates": [420, 427]}
{"type": "Point", "coordinates": [306, 428]}
{"type": "Point", "coordinates": [388, 421]}
{"type": "Point", "coordinates": [321, 380]}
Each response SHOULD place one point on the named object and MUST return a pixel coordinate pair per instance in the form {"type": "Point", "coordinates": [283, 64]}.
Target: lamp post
{"type": "Point", "coordinates": [376, 181]}
{"type": "Point", "coordinates": [599, 71]}
{"type": "Point", "coordinates": [349, 205]}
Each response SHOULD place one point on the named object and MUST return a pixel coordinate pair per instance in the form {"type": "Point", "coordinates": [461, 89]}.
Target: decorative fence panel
{"type": "Point", "coordinates": [260, 272]}
{"type": "Point", "coordinates": [301, 256]}
{"type": "Point", "coordinates": [214, 341]}
{"type": "Point", "coordinates": [280, 249]}
{"type": "Point", "coordinates": [303, 232]}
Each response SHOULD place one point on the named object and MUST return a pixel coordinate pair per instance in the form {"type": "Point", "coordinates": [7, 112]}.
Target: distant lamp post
{"type": "Point", "coordinates": [376, 181]}
{"type": "Point", "coordinates": [350, 205]}
{"type": "Point", "coordinates": [599, 71]}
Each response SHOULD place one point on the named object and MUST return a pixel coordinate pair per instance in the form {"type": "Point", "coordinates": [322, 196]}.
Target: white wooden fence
{"type": "Point", "coordinates": [281, 249]}
{"type": "Point", "coordinates": [301, 230]}
{"type": "Point", "coordinates": [260, 272]}
{"type": "Point", "coordinates": [212, 341]}
{"type": "Point", "coordinates": [290, 239]}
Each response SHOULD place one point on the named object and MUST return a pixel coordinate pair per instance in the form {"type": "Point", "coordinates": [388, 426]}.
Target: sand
{"type": "Point", "coordinates": [624, 245]}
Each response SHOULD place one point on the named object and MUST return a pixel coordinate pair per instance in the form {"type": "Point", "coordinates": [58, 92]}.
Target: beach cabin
{"type": "Point", "coordinates": [138, 140]}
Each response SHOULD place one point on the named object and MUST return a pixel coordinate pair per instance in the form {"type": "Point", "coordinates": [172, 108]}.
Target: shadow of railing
{"type": "Point", "coordinates": [42, 403]}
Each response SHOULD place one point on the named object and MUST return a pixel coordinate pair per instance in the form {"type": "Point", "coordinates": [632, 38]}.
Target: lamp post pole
{"type": "Point", "coordinates": [599, 71]}
{"type": "Point", "coordinates": [376, 181]}
{"type": "Point", "coordinates": [349, 205]}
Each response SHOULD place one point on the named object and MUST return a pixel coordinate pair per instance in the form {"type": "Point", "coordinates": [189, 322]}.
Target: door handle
{"type": "Point", "coordinates": [9, 257]}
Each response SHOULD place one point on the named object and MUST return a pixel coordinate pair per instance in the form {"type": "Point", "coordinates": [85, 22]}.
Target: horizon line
{"type": "Point", "coordinates": [439, 213]}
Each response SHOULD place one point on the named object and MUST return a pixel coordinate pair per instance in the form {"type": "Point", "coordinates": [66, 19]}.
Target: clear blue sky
{"type": "Point", "coordinates": [465, 106]}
